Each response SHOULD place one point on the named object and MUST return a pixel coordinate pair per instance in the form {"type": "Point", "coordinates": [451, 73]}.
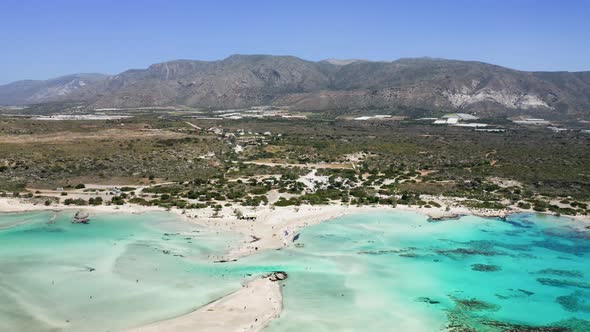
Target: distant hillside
{"type": "Point", "coordinates": [249, 80]}
{"type": "Point", "coordinates": [39, 91]}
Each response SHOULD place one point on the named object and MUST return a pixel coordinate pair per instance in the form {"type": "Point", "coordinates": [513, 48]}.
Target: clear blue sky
{"type": "Point", "coordinates": [48, 38]}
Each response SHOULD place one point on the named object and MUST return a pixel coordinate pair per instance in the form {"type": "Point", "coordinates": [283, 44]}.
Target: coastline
{"type": "Point", "coordinates": [254, 306]}
{"type": "Point", "coordinates": [269, 227]}
{"type": "Point", "coordinates": [272, 227]}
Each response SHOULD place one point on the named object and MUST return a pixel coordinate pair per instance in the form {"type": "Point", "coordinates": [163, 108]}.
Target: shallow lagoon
{"type": "Point", "coordinates": [370, 272]}
{"type": "Point", "coordinates": [116, 272]}
{"type": "Point", "coordinates": [385, 271]}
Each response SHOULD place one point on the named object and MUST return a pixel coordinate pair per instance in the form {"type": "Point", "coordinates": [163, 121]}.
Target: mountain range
{"type": "Point", "coordinates": [252, 80]}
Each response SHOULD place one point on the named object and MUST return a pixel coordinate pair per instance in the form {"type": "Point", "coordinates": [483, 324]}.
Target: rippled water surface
{"type": "Point", "coordinates": [397, 271]}
{"type": "Point", "coordinates": [369, 272]}
{"type": "Point", "coordinates": [116, 272]}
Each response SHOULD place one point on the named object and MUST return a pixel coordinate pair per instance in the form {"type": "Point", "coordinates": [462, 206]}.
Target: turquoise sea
{"type": "Point", "coordinates": [369, 272]}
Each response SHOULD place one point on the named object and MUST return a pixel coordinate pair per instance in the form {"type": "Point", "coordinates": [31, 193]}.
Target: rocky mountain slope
{"type": "Point", "coordinates": [39, 91]}
{"type": "Point", "coordinates": [250, 80]}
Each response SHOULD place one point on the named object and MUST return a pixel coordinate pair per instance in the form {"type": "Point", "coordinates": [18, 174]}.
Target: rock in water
{"type": "Point", "coordinates": [278, 276]}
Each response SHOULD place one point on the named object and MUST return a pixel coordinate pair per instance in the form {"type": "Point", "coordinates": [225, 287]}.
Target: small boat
{"type": "Point", "coordinates": [81, 218]}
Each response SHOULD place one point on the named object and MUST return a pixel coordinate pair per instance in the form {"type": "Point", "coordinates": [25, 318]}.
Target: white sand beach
{"type": "Point", "coordinates": [249, 309]}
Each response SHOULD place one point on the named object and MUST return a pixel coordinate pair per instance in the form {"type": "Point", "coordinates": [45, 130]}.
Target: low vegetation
{"type": "Point", "coordinates": [254, 162]}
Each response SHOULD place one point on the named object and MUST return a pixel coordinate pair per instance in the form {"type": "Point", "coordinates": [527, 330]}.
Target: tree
{"type": "Point", "coordinates": [95, 201]}
{"type": "Point", "coordinates": [117, 200]}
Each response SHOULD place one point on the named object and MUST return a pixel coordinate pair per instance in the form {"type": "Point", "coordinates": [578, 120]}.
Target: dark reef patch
{"type": "Point", "coordinates": [515, 232]}
{"type": "Point", "coordinates": [514, 293]}
{"type": "Point", "coordinates": [427, 300]}
{"type": "Point", "coordinates": [443, 218]}
{"type": "Point", "coordinates": [460, 321]}
{"type": "Point", "coordinates": [573, 302]}
{"type": "Point", "coordinates": [563, 283]}
{"type": "Point", "coordinates": [576, 249]}
{"type": "Point", "coordinates": [469, 252]}
{"type": "Point", "coordinates": [567, 233]}
{"type": "Point", "coordinates": [526, 292]}
{"type": "Point", "coordinates": [474, 304]}
{"type": "Point", "coordinates": [482, 248]}
{"type": "Point", "coordinates": [409, 255]}
{"type": "Point", "coordinates": [522, 224]}
{"type": "Point", "coordinates": [562, 273]}
{"type": "Point", "coordinates": [485, 268]}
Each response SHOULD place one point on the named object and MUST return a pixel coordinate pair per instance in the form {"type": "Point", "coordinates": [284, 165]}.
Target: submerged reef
{"type": "Point", "coordinates": [563, 283]}
{"type": "Point", "coordinates": [522, 224]}
{"type": "Point", "coordinates": [562, 273]}
{"type": "Point", "coordinates": [460, 320]}
{"type": "Point", "coordinates": [485, 268]}
{"type": "Point", "coordinates": [427, 300]}
{"type": "Point", "coordinates": [573, 249]}
{"type": "Point", "coordinates": [474, 304]}
{"type": "Point", "coordinates": [514, 293]}
{"type": "Point", "coordinates": [469, 252]}
{"type": "Point", "coordinates": [492, 244]}
{"type": "Point", "coordinates": [573, 302]}
{"type": "Point", "coordinates": [482, 248]}
{"type": "Point", "coordinates": [468, 315]}
{"type": "Point", "coordinates": [567, 233]}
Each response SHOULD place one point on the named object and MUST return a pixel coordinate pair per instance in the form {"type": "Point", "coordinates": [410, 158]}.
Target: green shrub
{"type": "Point", "coordinates": [139, 201]}
{"type": "Point", "coordinates": [524, 205]}
{"type": "Point", "coordinates": [117, 200]}
{"type": "Point", "coordinates": [71, 201]}
{"type": "Point", "coordinates": [95, 201]}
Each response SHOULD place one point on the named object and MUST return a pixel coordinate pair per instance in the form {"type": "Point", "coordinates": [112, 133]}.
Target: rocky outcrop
{"type": "Point", "coordinates": [278, 276]}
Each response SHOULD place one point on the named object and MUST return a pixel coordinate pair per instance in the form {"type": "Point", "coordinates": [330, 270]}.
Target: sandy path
{"type": "Point", "coordinates": [249, 309]}
{"type": "Point", "coordinates": [326, 165]}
